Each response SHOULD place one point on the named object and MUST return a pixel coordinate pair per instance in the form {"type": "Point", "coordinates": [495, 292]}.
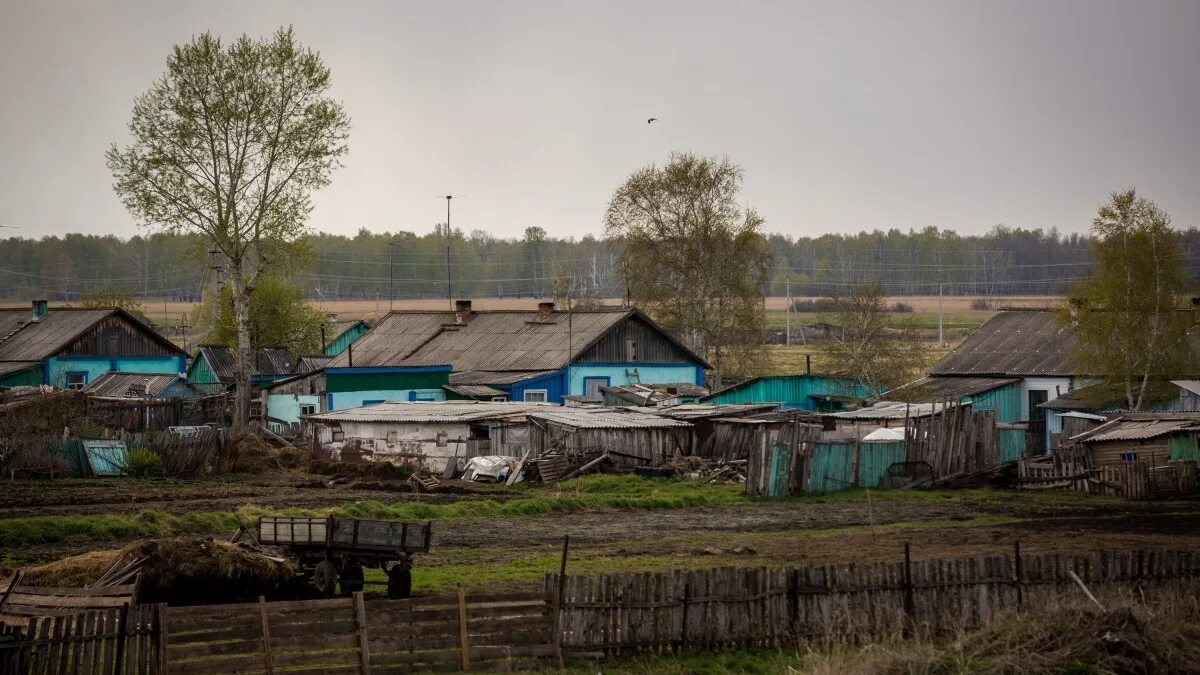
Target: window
{"type": "Point", "coordinates": [76, 380]}
{"type": "Point", "coordinates": [535, 396]}
{"type": "Point", "coordinates": [499, 399]}
{"type": "Point", "coordinates": [631, 350]}
{"type": "Point", "coordinates": [308, 409]}
{"type": "Point", "coordinates": [591, 386]}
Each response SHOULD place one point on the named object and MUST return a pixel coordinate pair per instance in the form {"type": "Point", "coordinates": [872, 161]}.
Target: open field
{"type": "Point", "coordinates": [511, 537]}
{"type": "Point", "coordinates": [956, 308]}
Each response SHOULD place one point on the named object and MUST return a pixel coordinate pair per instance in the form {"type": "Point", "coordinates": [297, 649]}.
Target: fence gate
{"type": "Point", "coordinates": [124, 641]}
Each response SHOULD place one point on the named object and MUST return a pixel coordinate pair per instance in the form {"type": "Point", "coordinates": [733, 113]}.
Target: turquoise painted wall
{"type": "Point", "coordinates": [793, 391]}
{"type": "Point", "coordinates": [833, 464]}
{"type": "Point", "coordinates": [1006, 401]}
{"type": "Point", "coordinates": [339, 344]}
{"type": "Point", "coordinates": [647, 374]}
{"type": "Point", "coordinates": [352, 399]}
{"type": "Point", "coordinates": [286, 407]}
{"type": "Point", "coordinates": [57, 367]}
{"type": "Point", "coordinates": [30, 377]}
{"type": "Point", "coordinates": [201, 372]}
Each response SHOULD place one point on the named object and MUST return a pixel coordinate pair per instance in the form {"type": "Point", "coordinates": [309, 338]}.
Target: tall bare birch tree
{"type": "Point", "coordinates": [695, 257]}
{"type": "Point", "coordinates": [1130, 315]}
{"type": "Point", "coordinates": [231, 142]}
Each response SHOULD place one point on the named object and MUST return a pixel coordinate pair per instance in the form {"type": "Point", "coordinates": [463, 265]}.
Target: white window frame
{"type": "Point", "coordinates": [76, 385]}
{"type": "Point", "coordinates": [312, 411]}
{"type": "Point", "coordinates": [545, 396]}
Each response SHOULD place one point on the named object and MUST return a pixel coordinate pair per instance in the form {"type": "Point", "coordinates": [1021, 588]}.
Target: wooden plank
{"type": "Point", "coordinates": [265, 623]}
{"type": "Point", "coordinates": [465, 645]}
{"type": "Point", "coordinates": [364, 649]}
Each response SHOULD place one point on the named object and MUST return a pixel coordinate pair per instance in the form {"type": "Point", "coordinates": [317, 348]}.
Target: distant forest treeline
{"type": "Point", "coordinates": [1005, 261]}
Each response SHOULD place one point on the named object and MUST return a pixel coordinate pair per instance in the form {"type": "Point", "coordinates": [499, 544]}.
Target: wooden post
{"type": "Point", "coordinates": [11, 586]}
{"type": "Point", "coordinates": [268, 655]}
{"type": "Point", "coordinates": [360, 620]}
{"type": "Point", "coordinates": [857, 457]}
{"type": "Point", "coordinates": [558, 600]}
{"type": "Point", "coordinates": [122, 637]}
{"type": "Point", "coordinates": [160, 638]}
{"type": "Point", "coordinates": [687, 594]}
{"type": "Point", "coordinates": [793, 582]}
{"type": "Point", "coordinates": [1017, 579]}
{"type": "Point", "coordinates": [908, 591]}
{"type": "Point", "coordinates": [463, 642]}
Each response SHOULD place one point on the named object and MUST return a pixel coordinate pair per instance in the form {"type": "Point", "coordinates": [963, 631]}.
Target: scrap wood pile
{"type": "Point", "coordinates": [700, 469]}
{"type": "Point", "coordinates": [182, 569]}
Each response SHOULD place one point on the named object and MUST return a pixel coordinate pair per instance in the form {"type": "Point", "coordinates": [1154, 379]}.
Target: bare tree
{"type": "Point", "coordinates": [230, 142]}
{"type": "Point", "coordinates": [877, 352]}
{"type": "Point", "coordinates": [695, 257]}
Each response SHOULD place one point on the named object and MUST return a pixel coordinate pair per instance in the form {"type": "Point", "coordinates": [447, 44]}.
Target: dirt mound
{"type": "Point", "coordinates": [376, 470]}
{"type": "Point", "coordinates": [178, 570]}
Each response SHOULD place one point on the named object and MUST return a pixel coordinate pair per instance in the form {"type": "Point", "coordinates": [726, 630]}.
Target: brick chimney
{"type": "Point", "coordinates": [545, 309]}
{"type": "Point", "coordinates": [40, 309]}
{"type": "Point", "coordinates": [462, 310]}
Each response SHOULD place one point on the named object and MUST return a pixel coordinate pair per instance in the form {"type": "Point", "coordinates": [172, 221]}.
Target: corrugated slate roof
{"type": "Point", "coordinates": [1136, 430]}
{"type": "Point", "coordinates": [309, 364]}
{"type": "Point", "coordinates": [443, 411]}
{"type": "Point", "coordinates": [268, 361]}
{"type": "Point", "coordinates": [131, 384]}
{"type": "Point", "coordinates": [953, 387]}
{"type": "Point", "coordinates": [500, 340]}
{"type": "Point", "coordinates": [10, 367]}
{"type": "Point", "coordinates": [605, 418]}
{"type": "Point", "coordinates": [699, 411]}
{"type": "Point", "coordinates": [24, 340]}
{"type": "Point", "coordinates": [1018, 342]}
{"type": "Point", "coordinates": [1192, 386]}
{"type": "Point", "coordinates": [474, 390]}
{"type": "Point", "coordinates": [490, 377]}
{"type": "Point", "coordinates": [891, 410]}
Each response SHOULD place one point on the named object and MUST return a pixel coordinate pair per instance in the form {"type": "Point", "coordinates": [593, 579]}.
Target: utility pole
{"type": "Point", "coordinates": [449, 293]}
{"type": "Point", "coordinates": [941, 335]}
{"type": "Point", "coordinates": [787, 339]}
{"type": "Point", "coordinates": [391, 288]}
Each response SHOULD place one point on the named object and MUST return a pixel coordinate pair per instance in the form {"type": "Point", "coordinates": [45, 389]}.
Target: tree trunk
{"type": "Point", "coordinates": [243, 390]}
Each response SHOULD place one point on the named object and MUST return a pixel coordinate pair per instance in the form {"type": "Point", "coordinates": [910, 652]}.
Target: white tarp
{"type": "Point", "coordinates": [884, 435]}
{"type": "Point", "coordinates": [492, 468]}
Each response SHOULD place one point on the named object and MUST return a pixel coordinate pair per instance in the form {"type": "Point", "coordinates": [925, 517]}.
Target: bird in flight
{"type": "Point", "coordinates": [652, 119]}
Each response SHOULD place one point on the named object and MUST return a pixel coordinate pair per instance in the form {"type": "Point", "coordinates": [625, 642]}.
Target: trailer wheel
{"type": "Point", "coordinates": [352, 578]}
{"type": "Point", "coordinates": [325, 578]}
{"type": "Point", "coordinates": [400, 581]}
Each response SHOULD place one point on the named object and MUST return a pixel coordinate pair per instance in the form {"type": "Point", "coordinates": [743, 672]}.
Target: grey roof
{"type": "Point", "coordinates": [700, 411]}
{"type": "Point", "coordinates": [474, 390]}
{"type": "Point", "coordinates": [268, 361]}
{"type": "Point", "coordinates": [309, 364]}
{"type": "Point", "coordinates": [22, 339]}
{"type": "Point", "coordinates": [132, 384]}
{"type": "Point", "coordinates": [1016, 342]}
{"type": "Point", "coordinates": [890, 410]}
{"type": "Point", "coordinates": [491, 377]}
{"type": "Point", "coordinates": [1192, 386]}
{"type": "Point", "coordinates": [414, 412]}
{"type": "Point", "coordinates": [10, 367]}
{"type": "Point", "coordinates": [952, 387]}
{"type": "Point", "coordinates": [503, 340]}
{"type": "Point", "coordinates": [604, 418]}
{"type": "Point", "coordinates": [1138, 429]}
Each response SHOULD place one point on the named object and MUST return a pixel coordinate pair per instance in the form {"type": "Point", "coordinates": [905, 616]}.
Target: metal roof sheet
{"type": "Point", "coordinates": [699, 411]}
{"type": "Point", "coordinates": [267, 361]}
{"type": "Point", "coordinates": [1018, 342]}
{"type": "Point", "coordinates": [1136, 430]}
{"type": "Point", "coordinates": [131, 384]}
{"type": "Point", "coordinates": [1191, 385]}
{"type": "Point", "coordinates": [490, 377]}
{"type": "Point", "coordinates": [448, 412]}
{"type": "Point", "coordinates": [891, 410]}
{"type": "Point", "coordinates": [474, 390]}
{"type": "Point", "coordinates": [605, 418]}
{"type": "Point", "coordinates": [309, 364]}
{"type": "Point", "coordinates": [953, 387]}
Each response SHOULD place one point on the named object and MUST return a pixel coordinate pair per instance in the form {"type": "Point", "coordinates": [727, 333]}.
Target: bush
{"type": "Point", "coordinates": [981, 304]}
{"type": "Point", "coordinates": [143, 460]}
{"type": "Point", "coordinates": [902, 308]}
{"type": "Point", "coordinates": [814, 305]}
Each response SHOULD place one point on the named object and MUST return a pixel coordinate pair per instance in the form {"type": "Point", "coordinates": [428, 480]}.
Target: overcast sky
{"type": "Point", "coordinates": [845, 115]}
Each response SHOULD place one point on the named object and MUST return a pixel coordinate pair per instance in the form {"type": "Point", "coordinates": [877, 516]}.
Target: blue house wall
{"type": "Point", "coordinates": [56, 368]}
{"type": "Point", "coordinates": [348, 336]}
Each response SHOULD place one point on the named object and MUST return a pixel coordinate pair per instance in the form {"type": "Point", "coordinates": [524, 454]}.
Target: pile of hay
{"type": "Point", "coordinates": [252, 454]}
{"type": "Point", "coordinates": [179, 570]}
{"type": "Point", "coordinates": [376, 470]}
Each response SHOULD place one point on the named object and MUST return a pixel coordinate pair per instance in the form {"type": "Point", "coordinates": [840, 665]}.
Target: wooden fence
{"type": "Point", "coordinates": [781, 468]}
{"type": "Point", "coordinates": [1071, 468]}
{"type": "Point", "coordinates": [954, 440]}
{"type": "Point", "coordinates": [22, 603]}
{"type": "Point", "coordinates": [500, 631]}
{"type": "Point", "coordinates": [755, 606]}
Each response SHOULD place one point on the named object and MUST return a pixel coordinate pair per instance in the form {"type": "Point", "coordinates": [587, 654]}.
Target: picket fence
{"type": "Point", "coordinates": [726, 607]}
{"type": "Point", "coordinates": [499, 631]}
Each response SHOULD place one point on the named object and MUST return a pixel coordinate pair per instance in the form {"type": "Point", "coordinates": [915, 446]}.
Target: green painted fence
{"type": "Point", "coordinates": [833, 464]}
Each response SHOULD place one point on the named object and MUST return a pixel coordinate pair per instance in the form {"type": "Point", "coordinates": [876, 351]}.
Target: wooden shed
{"type": "Point", "coordinates": [630, 438]}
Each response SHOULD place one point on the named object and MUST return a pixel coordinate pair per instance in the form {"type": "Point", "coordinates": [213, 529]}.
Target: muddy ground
{"type": "Point", "coordinates": [767, 532]}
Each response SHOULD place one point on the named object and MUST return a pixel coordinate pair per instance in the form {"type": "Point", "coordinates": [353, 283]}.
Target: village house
{"type": "Point", "coordinates": [214, 367]}
{"type": "Point", "coordinates": [422, 435]}
{"type": "Point", "coordinates": [1016, 361]}
{"type": "Point", "coordinates": [71, 348]}
{"type": "Point", "coordinates": [1154, 438]}
{"type": "Point", "coordinates": [535, 356]}
{"type": "Point", "coordinates": [142, 385]}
